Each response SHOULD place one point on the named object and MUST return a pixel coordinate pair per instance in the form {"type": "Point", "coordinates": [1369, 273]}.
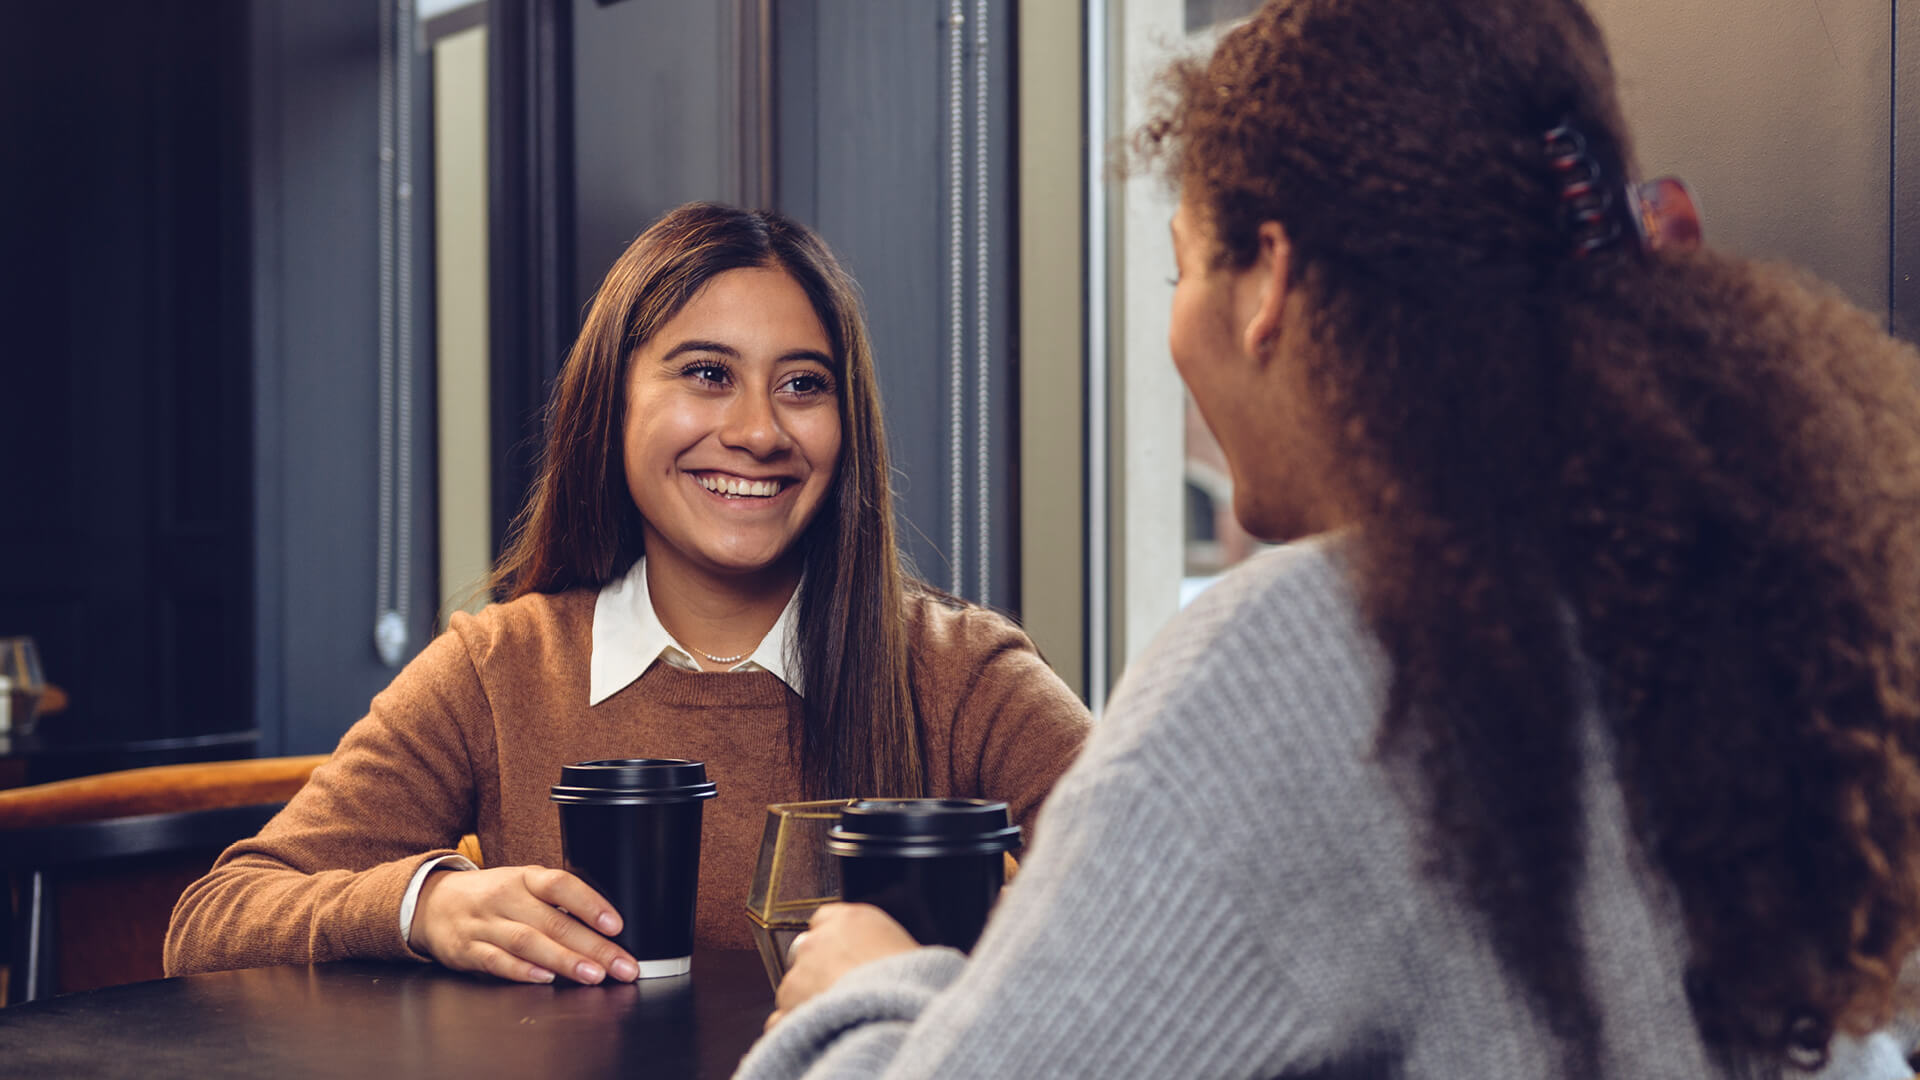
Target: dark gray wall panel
{"type": "Point", "coordinates": [868, 170]}
{"type": "Point", "coordinates": [653, 118]}
{"type": "Point", "coordinates": [317, 348]}
{"type": "Point", "coordinates": [862, 154]}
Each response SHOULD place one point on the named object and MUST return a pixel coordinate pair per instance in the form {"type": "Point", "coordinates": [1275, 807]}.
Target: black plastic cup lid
{"type": "Point", "coordinates": [922, 828]}
{"type": "Point", "coordinates": [633, 780]}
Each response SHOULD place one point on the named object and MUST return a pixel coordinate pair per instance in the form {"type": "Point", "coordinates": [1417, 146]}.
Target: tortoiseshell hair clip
{"type": "Point", "coordinates": [1596, 212]}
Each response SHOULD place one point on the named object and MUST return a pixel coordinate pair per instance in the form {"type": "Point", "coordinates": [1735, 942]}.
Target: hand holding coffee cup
{"type": "Point", "coordinates": [913, 872]}
{"type": "Point", "coordinates": [523, 923]}
{"type": "Point", "coordinates": [630, 829]}
{"type": "Point", "coordinates": [839, 938]}
{"type": "Point", "coordinates": [935, 865]}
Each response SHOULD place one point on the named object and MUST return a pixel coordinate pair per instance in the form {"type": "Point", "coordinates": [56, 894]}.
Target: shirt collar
{"type": "Point", "coordinates": [628, 637]}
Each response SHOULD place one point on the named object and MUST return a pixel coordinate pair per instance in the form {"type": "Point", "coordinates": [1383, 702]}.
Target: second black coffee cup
{"type": "Point", "coordinates": [935, 865]}
{"type": "Point", "coordinates": [630, 827]}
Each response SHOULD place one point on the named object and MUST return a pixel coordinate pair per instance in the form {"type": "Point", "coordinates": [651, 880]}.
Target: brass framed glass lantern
{"type": "Point", "coordinates": [794, 876]}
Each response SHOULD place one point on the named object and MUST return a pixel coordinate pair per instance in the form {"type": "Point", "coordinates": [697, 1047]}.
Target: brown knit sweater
{"type": "Point", "coordinates": [470, 736]}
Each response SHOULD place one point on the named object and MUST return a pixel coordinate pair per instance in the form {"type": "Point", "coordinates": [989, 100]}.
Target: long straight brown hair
{"type": "Point", "coordinates": [858, 732]}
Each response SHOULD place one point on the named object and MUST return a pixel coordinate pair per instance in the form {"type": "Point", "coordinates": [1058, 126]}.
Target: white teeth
{"type": "Point", "coordinates": [736, 487]}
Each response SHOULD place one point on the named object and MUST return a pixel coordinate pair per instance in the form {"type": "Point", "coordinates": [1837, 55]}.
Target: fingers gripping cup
{"type": "Point", "coordinates": [631, 829]}
{"type": "Point", "coordinates": [935, 865]}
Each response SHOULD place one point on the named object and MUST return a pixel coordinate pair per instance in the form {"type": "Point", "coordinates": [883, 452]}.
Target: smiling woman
{"type": "Point", "coordinates": [705, 568]}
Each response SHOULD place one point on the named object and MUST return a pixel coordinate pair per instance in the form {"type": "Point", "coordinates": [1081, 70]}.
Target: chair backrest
{"type": "Point", "coordinates": [98, 862]}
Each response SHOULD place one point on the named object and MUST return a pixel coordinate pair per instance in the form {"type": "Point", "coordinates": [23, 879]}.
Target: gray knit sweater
{"type": "Point", "coordinates": [1230, 884]}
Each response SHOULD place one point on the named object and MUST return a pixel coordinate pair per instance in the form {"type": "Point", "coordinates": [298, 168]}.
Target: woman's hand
{"type": "Point", "coordinates": [513, 921]}
{"type": "Point", "coordinates": [839, 938]}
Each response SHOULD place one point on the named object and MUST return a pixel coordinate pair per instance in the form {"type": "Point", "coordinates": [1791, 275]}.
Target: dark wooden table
{"type": "Point", "coordinates": [369, 1021]}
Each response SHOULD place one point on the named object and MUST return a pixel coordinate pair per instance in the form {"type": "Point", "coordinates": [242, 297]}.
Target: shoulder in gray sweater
{"type": "Point", "coordinates": [1231, 884]}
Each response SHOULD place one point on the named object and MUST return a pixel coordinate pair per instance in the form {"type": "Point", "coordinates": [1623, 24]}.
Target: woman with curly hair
{"type": "Point", "coordinates": [1581, 735]}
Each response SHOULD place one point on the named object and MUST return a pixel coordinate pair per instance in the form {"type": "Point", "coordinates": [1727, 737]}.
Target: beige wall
{"type": "Point", "coordinates": [1052, 317]}
{"type": "Point", "coordinates": [1777, 114]}
{"type": "Point", "coordinates": [460, 264]}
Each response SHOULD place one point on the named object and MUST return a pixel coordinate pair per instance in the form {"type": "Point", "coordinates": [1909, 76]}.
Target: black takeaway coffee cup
{"type": "Point", "coordinates": [935, 865]}
{"type": "Point", "coordinates": [630, 828]}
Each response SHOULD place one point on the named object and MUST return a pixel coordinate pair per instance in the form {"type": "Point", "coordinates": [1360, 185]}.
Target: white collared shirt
{"type": "Point", "coordinates": [628, 637]}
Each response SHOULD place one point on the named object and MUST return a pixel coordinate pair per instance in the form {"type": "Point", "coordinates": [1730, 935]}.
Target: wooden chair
{"type": "Point", "coordinates": [97, 863]}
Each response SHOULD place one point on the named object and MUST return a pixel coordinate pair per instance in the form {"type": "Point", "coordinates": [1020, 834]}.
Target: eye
{"type": "Point", "coordinates": [708, 373]}
{"type": "Point", "coordinates": [808, 384]}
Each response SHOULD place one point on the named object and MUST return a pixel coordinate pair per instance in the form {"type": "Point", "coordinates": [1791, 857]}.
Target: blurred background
{"type": "Point", "coordinates": [285, 281]}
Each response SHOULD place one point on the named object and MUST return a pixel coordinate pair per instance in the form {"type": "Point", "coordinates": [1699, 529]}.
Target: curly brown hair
{"type": "Point", "coordinates": [1683, 483]}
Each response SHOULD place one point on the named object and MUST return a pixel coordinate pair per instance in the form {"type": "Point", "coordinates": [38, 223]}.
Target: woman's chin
{"type": "Point", "coordinates": [747, 563]}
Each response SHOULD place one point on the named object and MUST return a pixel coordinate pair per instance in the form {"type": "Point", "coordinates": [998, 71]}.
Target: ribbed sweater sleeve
{"type": "Point", "coordinates": [324, 880]}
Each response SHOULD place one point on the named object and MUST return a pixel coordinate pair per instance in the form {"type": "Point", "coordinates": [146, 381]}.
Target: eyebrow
{"type": "Point", "coordinates": [734, 354]}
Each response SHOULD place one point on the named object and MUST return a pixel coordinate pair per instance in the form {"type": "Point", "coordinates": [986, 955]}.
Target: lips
{"type": "Point", "coordinates": [740, 487]}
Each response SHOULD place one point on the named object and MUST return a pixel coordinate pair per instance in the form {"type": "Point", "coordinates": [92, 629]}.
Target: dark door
{"type": "Point", "coordinates": [124, 432]}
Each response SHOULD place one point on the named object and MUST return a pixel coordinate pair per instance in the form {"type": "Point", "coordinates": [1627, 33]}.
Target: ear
{"type": "Point", "coordinates": [1267, 281]}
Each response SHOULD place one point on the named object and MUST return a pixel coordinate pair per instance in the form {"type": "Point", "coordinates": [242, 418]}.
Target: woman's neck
{"type": "Point", "coordinates": [718, 615]}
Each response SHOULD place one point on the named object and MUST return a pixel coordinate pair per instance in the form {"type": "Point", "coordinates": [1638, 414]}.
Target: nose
{"type": "Point", "coordinates": [752, 424]}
